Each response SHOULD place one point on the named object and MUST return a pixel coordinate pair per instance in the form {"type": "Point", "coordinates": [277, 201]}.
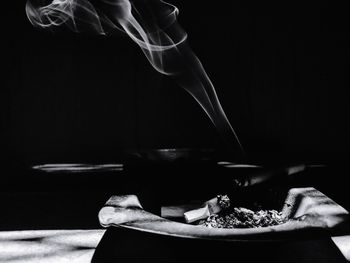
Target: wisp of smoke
{"type": "Point", "coordinates": [153, 26]}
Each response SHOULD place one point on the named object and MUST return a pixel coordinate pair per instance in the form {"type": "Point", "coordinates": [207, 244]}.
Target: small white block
{"type": "Point", "coordinates": [197, 214]}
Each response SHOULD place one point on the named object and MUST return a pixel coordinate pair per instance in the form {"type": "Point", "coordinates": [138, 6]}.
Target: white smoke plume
{"type": "Point", "coordinates": [152, 25]}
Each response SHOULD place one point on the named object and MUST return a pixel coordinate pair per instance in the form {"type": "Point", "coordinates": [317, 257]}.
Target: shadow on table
{"type": "Point", "coordinates": [120, 244]}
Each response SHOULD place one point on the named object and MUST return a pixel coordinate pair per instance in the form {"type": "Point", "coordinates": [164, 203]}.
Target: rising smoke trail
{"type": "Point", "coordinates": [153, 26]}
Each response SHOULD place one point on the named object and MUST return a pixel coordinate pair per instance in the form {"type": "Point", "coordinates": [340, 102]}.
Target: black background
{"type": "Point", "coordinates": [280, 71]}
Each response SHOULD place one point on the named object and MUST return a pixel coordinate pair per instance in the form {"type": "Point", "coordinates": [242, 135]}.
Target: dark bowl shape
{"type": "Point", "coordinates": [179, 156]}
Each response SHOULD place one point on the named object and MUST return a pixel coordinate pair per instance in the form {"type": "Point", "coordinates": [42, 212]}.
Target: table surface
{"type": "Point", "coordinates": [73, 246]}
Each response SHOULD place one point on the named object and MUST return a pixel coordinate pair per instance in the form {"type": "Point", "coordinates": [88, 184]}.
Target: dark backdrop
{"type": "Point", "coordinates": [280, 70]}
